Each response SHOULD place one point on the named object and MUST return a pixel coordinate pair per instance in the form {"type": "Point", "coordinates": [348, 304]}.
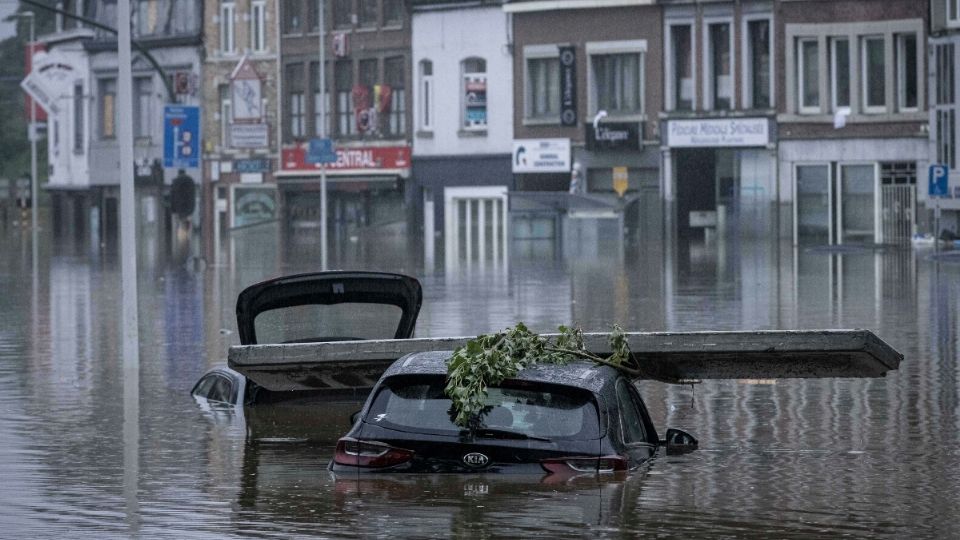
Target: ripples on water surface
{"type": "Point", "coordinates": [858, 458]}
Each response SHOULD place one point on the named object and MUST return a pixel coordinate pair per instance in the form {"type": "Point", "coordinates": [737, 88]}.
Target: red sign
{"type": "Point", "coordinates": [37, 46]}
{"type": "Point", "coordinates": [371, 159]}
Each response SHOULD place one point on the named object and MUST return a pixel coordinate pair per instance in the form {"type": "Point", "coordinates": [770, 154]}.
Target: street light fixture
{"type": "Point", "coordinates": [32, 131]}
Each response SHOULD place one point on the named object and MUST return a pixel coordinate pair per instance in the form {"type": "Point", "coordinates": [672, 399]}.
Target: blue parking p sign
{"type": "Point", "coordinates": [321, 151]}
{"type": "Point", "coordinates": [181, 136]}
{"type": "Point", "coordinates": [938, 180]}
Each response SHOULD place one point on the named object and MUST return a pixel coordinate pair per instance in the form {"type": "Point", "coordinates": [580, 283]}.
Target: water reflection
{"type": "Point", "coordinates": [794, 458]}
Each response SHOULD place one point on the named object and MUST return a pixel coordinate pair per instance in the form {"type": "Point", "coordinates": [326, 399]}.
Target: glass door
{"type": "Point", "coordinates": [857, 205]}
{"type": "Point", "coordinates": [813, 204]}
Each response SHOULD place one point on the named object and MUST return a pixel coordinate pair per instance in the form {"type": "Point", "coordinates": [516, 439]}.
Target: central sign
{"type": "Point", "coordinates": [371, 159]}
{"type": "Point", "coordinates": [718, 132]}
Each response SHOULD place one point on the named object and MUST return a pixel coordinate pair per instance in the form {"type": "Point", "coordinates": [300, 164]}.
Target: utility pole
{"type": "Point", "coordinates": [323, 135]}
{"type": "Point", "coordinates": [128, 222]}
{"type": "Point", "coordinates": [32, 132]}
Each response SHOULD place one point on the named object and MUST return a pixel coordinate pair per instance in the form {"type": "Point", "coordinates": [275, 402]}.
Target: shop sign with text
{"type": "Point", "coordinates": [613, 136]}
{"type": "Point", "coordinates": [718, 132]}
{"type": "Point", "coordinates": [370, 158]}
{"type": "Point", "coordinates": [541, 155]}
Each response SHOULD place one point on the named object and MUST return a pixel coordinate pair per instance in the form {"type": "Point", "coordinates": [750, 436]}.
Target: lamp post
{"type": "Point", "coordinates": [32, 131]}
{"type": "Point", "coordinates": [323, 134]}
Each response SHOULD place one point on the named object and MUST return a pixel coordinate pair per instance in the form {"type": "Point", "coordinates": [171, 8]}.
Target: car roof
{"type": "Point", "coordinates": [580, 374]}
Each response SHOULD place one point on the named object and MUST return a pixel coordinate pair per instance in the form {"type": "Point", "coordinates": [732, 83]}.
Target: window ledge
{"type": "Point", "coordinates": [860, 118]}
{"type": "Point", "coordinates": [424, 134]}
{"type": "Point", "coordinates": [617, 118]}
{"type": "Point", "coordinates": [555, 120]}
{"type": "Point", "coordinates": [472, 133]}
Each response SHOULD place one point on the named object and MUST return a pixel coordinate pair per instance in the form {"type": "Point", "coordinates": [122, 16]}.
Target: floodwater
{"type": "Point", "coordinates": [817, 458]}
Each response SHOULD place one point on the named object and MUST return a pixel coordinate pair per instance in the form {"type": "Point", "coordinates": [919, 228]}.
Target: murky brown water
{"type": "Point", "coordinates": [859, 458]}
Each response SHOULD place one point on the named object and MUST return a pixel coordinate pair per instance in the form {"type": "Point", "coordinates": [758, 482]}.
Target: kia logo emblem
{"type": "Point", "coordinates": [475, 459]}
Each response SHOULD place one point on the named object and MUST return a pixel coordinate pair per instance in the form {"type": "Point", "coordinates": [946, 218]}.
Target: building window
{"type": "Point", "coordinates": [944, 109]}
{"type": "Point", "coordinates": [543, 88]}
{"type": "Point", "coordinates": [953, 12]}
{"type": "Point", "coordinates": [313, 14]}
{"type": "Point", "coordinates": [226, 115]}
{"type": "Point", "coordinates": [809, 76]}
{"type": "Point", "coordinates": [720, 76]}
{"type": "Point", "coordinates": [258, 26]}
{"type": "Point", "coordinates": [617, 83]}
{"type": "Point", "coordinates": [78, 118]}
{"type": "Point", "coordinates": [474, 94]}
{"type": "Point", "coordinates": [873, 75]}
{"type": "Point", "coordinates": [297, 114]}
{"type": "Point", "coordinates": [839, 73]}
{"type": "Point", "coordinates": [292, 19]}
{"type": "Point", "coordinates": [368, 13]}
{"type": "Point", "coordinates": [392, 12]}
{"type": "Point", "coordinates": [343, 75]}
{"type": "Point", "coordinates": [143, 107]}
{"type": "Point", "coordinates": [342, 13]}
{"type": "Point", "coordinates": [681, 67]}
{"type": "Point", "coordinates": [396, 121]}
{"type": "Point", "coordinates": [227, 44]}
{"type": "Point", "coordinates": [758, 64]}
{"type": "Point", "coordinates": [907, 73]}
{"type": "Point", "coordinates": [426, 95]}
{"type": "Point", "coordinates": [108, 108]}
{"type": "Point", "coordinates": [321, 102]}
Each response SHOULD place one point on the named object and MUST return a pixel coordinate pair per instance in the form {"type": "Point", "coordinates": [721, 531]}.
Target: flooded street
{"type": "Point", "coordinates": [791, 458]}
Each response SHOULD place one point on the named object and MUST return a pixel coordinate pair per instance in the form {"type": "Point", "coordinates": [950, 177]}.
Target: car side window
{"type": "Point", "coordinates": [630, 420]}
{"type": "Point", "coordinates": [215, 387]}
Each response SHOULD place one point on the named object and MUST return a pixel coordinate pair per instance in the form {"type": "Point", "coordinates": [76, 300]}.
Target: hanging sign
{"type": "Point", "coordinates": [568, 86]}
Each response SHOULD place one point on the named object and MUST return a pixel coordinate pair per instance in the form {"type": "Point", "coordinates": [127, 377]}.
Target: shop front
{"type": "Point", "coordinates": [365, 193]}
{"type": "Point", "coordinates": [721, 175]}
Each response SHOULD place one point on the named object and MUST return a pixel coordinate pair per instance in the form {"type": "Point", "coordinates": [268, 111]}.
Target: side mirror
{"type": "Point", "coordinates": [679, 442]}
{"type": "Point", "coordinates": [354, 417]}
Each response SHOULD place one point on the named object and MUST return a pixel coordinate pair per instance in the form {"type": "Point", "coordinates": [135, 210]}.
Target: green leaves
{"type": "Point", "coordinates": [491, 358]}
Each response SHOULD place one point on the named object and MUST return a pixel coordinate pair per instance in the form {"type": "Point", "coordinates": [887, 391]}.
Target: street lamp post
{"type": "Point", "coordinates": [32, 131]}
{"type": "Point", "coordinates": [323, 134]}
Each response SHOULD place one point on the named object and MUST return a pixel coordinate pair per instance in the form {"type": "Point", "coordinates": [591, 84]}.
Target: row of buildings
{"type": "Point", "coordinates": [468, 123]}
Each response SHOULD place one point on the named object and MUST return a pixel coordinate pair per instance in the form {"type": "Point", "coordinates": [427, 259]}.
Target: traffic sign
{"type": "Point", "coordinates": [321, 151]}
{"type": "Point", "coordinates": [181, 136]}
{"type": "Point", "coordinates": [938, 180]}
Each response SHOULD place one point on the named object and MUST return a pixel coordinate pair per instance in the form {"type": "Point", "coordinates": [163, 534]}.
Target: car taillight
{"type": "Point", "coordinates": [369, 454]}
{"type": "Point", "coordinates": [568, 465]}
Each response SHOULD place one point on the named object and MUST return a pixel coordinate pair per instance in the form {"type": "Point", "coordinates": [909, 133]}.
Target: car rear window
{"type": "Point", "coordinates": [418, 404]}
{"type": "Point", "coordinates": [333, 322]}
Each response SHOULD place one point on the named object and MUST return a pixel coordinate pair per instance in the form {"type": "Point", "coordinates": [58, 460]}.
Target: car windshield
{"type": "Point", "coordinates": [328, 322]}
{"type": "Point", "coordinates": [419, 404]}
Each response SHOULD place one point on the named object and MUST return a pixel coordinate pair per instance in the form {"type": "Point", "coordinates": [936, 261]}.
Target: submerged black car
{"type": "Point", "coordinates": [568, 420]}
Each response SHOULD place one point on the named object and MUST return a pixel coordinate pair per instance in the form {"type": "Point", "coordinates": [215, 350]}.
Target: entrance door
{"type": "Point", "coordinates": [475, 225]}
{"type": "Point", "coordinates": [898, 193]}
{"type": "Point", "coordinates": [813, 204]}
{"type": "Point", "coordinates": [858, 202]}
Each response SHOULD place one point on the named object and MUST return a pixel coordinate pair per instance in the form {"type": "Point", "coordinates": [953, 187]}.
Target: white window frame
{"type": "Point", "coordinates": [864, 83]}
{"type": "Point", "coordinates": [796, 200]}
{"type": "Point", "coordinates": [747, 60]}
{"type": "Point", "coordinates": [228, 38]}
{"type": "Point", "coordinates": [952, 22]}
{"type": "Point", "coordinates": [832, 43]}
{"type": "Point", "coordinates": [709, 100]}
{"type": "Point", "coordinates": [901, 74]}
{"type": "Point", "coordinates": [602, 48]}
{"type": "Point", "coordinates": [298, 115]}
{"type": "Point", "coordinates": [802, 107]}
{"type": "Point", "coordinates": [143, 115]}
{"type": "Point", "coordinates": [537, 52]}
{"type": "Point", "coordinates": [258, 26]}
{"type": "Point", "coordinates": [425, 99]}
{"type": "Point", "coordinates": [670, 57]}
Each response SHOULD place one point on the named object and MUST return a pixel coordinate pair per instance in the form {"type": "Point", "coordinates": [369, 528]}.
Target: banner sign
{"type": "Point", "coordinates": [371, 159]}
{"type": "Point", "coordinates": [37, 49]}
{"type": "Point", "coordinates": [614, 136]}
{"type": "Point", "coordinates": [568, 86]}
{"type": "Point", "coordinates": [181, 136]}
{"type": "Point", "coordinates": [718, 132]}
{"type": "Point", "coordinates": [541, 155]}
{"type": "Point", "coordinates": [47, 82]}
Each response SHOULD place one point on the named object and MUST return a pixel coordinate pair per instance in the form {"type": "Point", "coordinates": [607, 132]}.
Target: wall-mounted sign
{"type": "Point", "coordinates": [568, 86]}
{"type": "Point", "coordinates": [252, 165]}
{"type": "Point", "coordinates": [38, 49]}
{"type": "Point", "coordinates": [614, 136]}
{"type": "Point", "coordinates": [621, 180]}
{"type": "Point", "coordinates": [718, 132]}
{"type": "Point", "coordinates": [246, 92]}
{"type": "Point", "coordinates": [253, 204]}
{"type": "Point", "coordinates": [339, 44]}
{"type": "Point", "coordinates": [541, 155]}
{"type": "Point", "coordinates": [49, 78]}
{"type": "Point", "coordinates": [321, 151]}
{"type": "Point", "coordinates": [249, 135]}
{"type": "Point", "coordinates": [351, 159]}
{"type": "Point", "coordinates": [181, 136]}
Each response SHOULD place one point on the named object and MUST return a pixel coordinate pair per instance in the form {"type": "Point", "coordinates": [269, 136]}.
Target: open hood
{"type": "Point", "coordinates": [329, 306]}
